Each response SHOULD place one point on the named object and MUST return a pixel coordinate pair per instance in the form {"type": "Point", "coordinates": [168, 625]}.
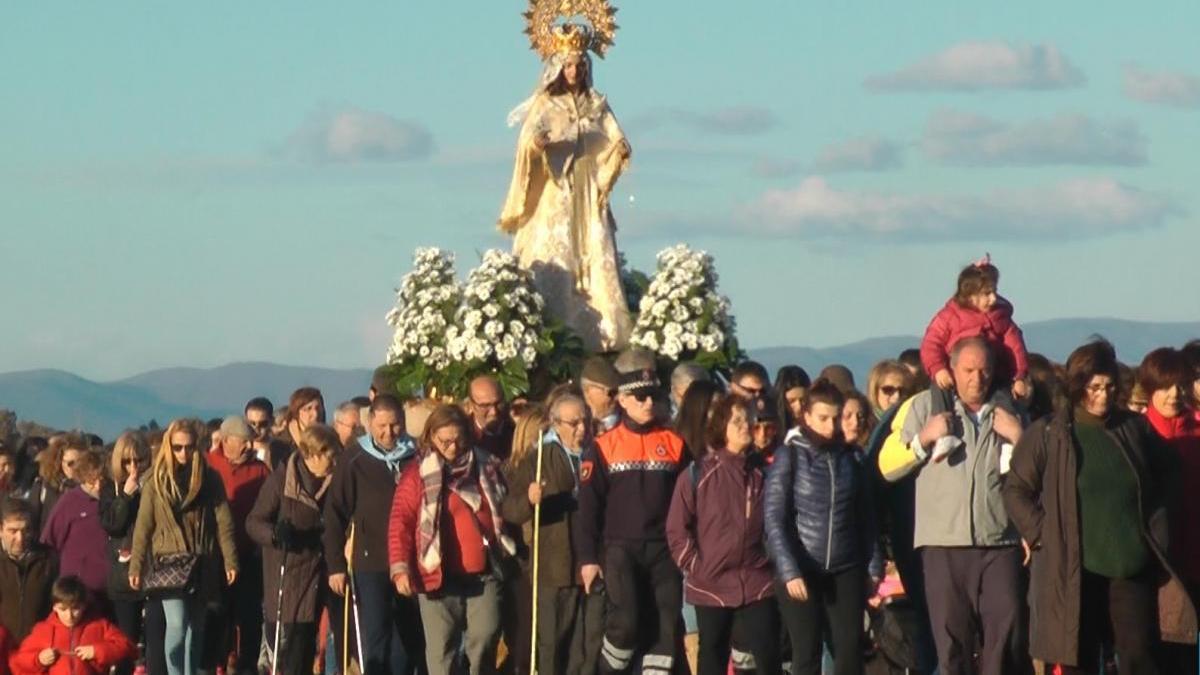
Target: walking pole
{"type": "Point", "coordinates": [353, 591]}
{"type": "Point", "coordinates": [537, 525]}
{"type": "Point", "coordinates": [278, 613]}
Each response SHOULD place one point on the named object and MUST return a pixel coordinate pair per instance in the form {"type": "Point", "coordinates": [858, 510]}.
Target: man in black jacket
{"type": "Point", "coordinates": [361, 496]}
{"type": "Point", "coordinates": [27, 570]}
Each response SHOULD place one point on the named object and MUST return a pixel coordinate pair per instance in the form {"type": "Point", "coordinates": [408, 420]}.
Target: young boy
{"type": "Point", "coordinates": [70, 641]}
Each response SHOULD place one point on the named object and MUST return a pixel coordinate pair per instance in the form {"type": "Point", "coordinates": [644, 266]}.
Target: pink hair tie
{"type": "Point", "coordinates": [984, 261]}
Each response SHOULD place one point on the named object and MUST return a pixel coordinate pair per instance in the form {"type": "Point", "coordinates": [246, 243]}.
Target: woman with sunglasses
{"type": "Point", "coordinates": [889, 383]}
{"type": "Point", "coordinates": [184, 526]}
{"type": "Point", "coordinates": [119, 501]}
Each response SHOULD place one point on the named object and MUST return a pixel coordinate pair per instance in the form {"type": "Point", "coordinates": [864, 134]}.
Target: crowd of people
{"type": "Point", "coordinates": [973, 509]}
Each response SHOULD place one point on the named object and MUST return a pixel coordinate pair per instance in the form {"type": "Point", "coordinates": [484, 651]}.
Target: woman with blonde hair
{"type": "Point", "coordinates": [119, 501]}
{"type": "Point", "coordinates": [889, 383]}
{"type": "Point", "coordinates": [56, 473]}
{"type": "Point", "coordinates": [182, 539]}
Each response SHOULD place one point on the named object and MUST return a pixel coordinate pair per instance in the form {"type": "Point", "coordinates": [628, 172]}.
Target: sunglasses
{"type": "Point", "coordinates": [889, 390]}
{"type": "Point", "coordinates": [642, 395]}
{"type": "Point", "coordinates": [180, 448]}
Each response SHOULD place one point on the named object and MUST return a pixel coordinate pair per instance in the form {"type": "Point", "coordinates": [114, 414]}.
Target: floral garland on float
{"type": "Point", "coordinates": [447, 333]}
{"type": "Point", "coordinates": [682, 317]}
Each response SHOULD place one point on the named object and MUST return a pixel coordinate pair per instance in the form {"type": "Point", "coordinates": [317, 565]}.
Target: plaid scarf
{"type": "Point", "coordinates": [474, 476]}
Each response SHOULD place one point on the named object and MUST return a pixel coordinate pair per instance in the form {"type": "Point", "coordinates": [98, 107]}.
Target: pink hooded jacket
{"type": "Point", "coordinates": [955, 322]}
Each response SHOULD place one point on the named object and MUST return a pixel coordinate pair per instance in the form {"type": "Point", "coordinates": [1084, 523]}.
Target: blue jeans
{"type": "Point", "coordinates": [383, 612]}
{"type": "Point", "coordinates": [184, 635]}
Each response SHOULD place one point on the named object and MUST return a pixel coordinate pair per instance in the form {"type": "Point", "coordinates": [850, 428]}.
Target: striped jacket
{"type": "Point", "coordinates": [626, 483]}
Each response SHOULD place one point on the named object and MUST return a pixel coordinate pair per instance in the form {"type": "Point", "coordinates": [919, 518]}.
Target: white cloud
{"type": "Point", "coordinates": [1091, 207]}
{"type": "Point", "coordinates": [735, 121]}
{"type": "Point", "coordinates": [967, 139]}
{"type": "Point", "coordinates": [859, 154]}
{"type": "Point", "coordinates": [972, 66]}
{"type": "Point", "coordinates": [350, 135]}
{"type": "Point", "coordinates": [1174, 89]}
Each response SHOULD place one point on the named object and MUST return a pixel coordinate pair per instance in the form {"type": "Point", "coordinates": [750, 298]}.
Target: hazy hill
{"type": "Point", "coordinates": [64, 400]}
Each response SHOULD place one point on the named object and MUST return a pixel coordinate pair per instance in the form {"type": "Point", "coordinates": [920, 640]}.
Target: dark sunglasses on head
{"type": "Point", "coordinates": [889, 390]}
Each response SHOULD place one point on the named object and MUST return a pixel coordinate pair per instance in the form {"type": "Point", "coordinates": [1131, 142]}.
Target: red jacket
{"type": "Point", "coordinates": [1182, 433]}
{"type": "Point", "coordinates": [955, 322]}
{"type": "Point", "coordinates": [111, 645]}
{"type": "Point", "coordinates": [462, 545]}
{"type": "Point", "coordinates": [242, 484]}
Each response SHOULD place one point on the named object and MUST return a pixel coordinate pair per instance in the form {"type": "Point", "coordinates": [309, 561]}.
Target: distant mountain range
{"type": "Point", "coordinates": [63, 400]}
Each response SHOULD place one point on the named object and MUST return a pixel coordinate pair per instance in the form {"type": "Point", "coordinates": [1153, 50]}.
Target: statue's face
{"type": "Point", "coordinates": [573, 72]}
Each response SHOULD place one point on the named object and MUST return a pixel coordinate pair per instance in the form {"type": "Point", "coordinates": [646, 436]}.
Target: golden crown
{"type": "Point", "coordinates": [547, 37]}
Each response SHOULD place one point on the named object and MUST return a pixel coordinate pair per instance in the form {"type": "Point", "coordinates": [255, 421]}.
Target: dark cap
{"type": "Point", "coordinates": [598, 370]}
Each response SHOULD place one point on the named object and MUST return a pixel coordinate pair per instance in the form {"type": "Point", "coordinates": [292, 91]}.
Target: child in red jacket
{"type": "Point", "coordinates": [977, 311]}
{"type": "Point", "coordinates": [70, 641]}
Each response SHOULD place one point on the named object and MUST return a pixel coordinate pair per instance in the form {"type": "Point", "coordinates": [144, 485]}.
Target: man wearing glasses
{"type": "Point", "coordinates": [626, 486]}
{"type": "Point", "coordinates": [260, 415]}
{"type": "Point", "coordinates": [493, 427]}
{"type": "Point", "coordinates": [750, 381]}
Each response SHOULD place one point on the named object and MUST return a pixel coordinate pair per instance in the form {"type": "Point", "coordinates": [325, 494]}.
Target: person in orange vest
{"type": "Point", "coordinates": [626, 484]}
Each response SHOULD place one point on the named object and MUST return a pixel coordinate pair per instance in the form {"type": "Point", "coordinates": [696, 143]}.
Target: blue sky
{"type": "Point", "coordinates": [196, 184]}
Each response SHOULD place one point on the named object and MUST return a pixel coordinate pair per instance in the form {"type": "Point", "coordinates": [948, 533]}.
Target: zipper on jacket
{"type": "Point", "coordinates": [832, 501]}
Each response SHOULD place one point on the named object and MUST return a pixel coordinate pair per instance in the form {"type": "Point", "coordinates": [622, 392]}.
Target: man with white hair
{"type": "Point", "coordinates": [681, 378]}
{"type": "Point", "coordinates": [570, 617]}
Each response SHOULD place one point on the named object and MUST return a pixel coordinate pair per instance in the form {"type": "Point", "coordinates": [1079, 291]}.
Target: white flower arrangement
{"type": "Point", "coordinates": [426, 303]}
{"type": "Point", "coordinates": [500, 316]}
{"type": "Point", "coordinates": [682, 317]}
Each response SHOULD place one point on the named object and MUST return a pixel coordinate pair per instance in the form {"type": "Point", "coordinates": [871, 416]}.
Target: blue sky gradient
{"type": "Point", "coordinates": [169, 194]}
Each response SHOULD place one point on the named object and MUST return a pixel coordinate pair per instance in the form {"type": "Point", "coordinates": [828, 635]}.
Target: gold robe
{"type": "Point", "coordinates": [558, 209]}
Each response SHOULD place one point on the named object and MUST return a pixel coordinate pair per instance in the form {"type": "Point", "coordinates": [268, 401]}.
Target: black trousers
{"type": "Point", "coordinates": [391, 627]}
{"type": "Point", "coordinates": [757, 629]}
{"type": "Point", "coordinates": [128, 614]}
{"type": "Point", "coordinates": [633, 571]}
{"type": "Point", "coordinates": [974, 607]}
{"type": "Point", "coordinates": [570, 630]}
{"type": "Point", "coordinates": [235, 622]}
{"type": "Point", "coordinates": [1123, 611]}
{"type": "Point", "coordinates": [835, 607]}
{"type": "Point", "coordinates": [298, 647]}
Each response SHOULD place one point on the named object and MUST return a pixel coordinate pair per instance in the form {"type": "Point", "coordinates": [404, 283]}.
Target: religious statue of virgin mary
{"type": "Point", "coordinates": [570, 153]}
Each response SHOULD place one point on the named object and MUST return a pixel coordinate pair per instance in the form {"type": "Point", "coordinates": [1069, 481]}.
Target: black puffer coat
{"type": "Point", "coordinates": [817, 509]}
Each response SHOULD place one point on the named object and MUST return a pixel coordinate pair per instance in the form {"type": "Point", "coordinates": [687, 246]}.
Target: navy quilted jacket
{"type": "Point", "coordinates": [817, 510]}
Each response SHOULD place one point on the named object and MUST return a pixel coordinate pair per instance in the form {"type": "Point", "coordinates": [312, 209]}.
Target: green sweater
{"type": "Point", "coordinates": [1109, 517]}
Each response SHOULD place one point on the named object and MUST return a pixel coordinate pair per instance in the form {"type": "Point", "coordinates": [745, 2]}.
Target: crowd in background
{"type": "Point", "coordinates": [973, 508]}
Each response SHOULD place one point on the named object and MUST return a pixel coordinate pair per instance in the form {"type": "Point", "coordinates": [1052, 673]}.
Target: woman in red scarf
{"type": "Point", "coordinates": [446, 542]}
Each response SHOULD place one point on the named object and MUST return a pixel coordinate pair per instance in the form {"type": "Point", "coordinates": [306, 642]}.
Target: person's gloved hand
{"type": "Point", "coordinates": [285, 535]}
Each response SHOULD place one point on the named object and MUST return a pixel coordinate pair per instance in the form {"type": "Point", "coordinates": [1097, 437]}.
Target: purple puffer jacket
{"type": "Point", "coordinates": [74, 532]}
{"type": "Point", "coordinates": [715, 531]}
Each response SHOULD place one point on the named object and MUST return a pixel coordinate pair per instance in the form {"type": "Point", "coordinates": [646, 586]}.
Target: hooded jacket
{"type": "Point", "coordinates": [110, 644]}
{"type": "Point", "coordinates": [955, 322]}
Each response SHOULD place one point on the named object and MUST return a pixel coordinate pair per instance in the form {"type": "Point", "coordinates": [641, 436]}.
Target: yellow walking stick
{"type": "Point", "coordinates": [537, 525]}
{"type": "Point", "coordinates": [346, 603]}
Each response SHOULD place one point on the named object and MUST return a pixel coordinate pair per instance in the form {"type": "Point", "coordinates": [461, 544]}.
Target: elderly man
{"type": "Point", "coordinates": [571, 620]}
{"type": "Point", "coordinates": [599, 382]}
{"type": "Point", "coordinates": [626, 485]}
{"type": "Point", "coordinates": [970, 550]}
{"type": "Point", "coordinates": [346, 422]}
{"type": "Point", "coordinates": [681, 378]}
{"type": "Point", "coordinates": [486, 406]}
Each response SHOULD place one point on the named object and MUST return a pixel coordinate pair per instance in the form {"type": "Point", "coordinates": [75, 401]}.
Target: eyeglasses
{"type": "Point", "coordinates": [493, 405]}
{"type": "Point", "coordinates": [181, 448]}
{"type": "Point", "coordinates": [889, 390]}
{"type": "Point", "coordinates": [573, 423]}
